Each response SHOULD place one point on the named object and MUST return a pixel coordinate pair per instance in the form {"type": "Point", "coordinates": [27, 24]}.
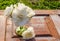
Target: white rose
{"type": "Point", "coordinates": [19, 15]}
{"type": "Point", "coordinates": [8, 11]}
{"type": "Point", "coordinates": [29, 33]}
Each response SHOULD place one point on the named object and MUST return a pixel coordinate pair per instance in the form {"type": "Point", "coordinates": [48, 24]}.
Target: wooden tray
{"type": "Point", "coordinates": [46, 26]}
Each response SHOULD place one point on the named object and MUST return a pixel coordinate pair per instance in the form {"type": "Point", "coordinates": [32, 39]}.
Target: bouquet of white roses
{"type": "Point", "coordinates": [20, 15]}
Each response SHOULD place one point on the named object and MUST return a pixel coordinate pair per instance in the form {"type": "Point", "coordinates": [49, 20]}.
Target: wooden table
{"type": "Point", "coordinates": [46, 26]}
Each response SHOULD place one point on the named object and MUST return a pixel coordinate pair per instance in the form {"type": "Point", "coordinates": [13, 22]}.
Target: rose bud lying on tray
{"type": "Point", "coordinates": [26, 33]}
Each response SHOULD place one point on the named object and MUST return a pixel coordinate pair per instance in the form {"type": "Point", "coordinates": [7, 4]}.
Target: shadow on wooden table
{"type": "Point", "coordinates": [21, 39]}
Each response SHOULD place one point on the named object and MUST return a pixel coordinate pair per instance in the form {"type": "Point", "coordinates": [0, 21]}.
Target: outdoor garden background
{"type": "Point", "coordinates": [34, 4]}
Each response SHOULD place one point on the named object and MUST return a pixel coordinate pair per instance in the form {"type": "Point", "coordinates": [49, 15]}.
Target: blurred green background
{"type": "Point", "coordinates": [34, 4]}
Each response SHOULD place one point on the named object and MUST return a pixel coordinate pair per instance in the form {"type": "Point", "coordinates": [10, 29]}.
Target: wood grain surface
{"type": "Point", "coordinates": [46, 27]}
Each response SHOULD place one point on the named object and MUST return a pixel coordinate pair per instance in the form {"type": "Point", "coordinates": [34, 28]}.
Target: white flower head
{"type": "Point", "coordinates": [19, 17]}
{"type": "Point", "coordinates": [8, 11]}
{"type": "Point", "coordinates": [29, 33]}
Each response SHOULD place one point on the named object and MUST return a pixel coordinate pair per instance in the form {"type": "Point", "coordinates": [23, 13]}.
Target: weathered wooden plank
{"type": "Point", "coordinates": [51, 27]}
{"type": "Point", "coordinates": [46, 39]}
{"type": "Point", "coordinates": [45, 12]}
{"type": "Point", "coordinates": [56, 21]}
{"type": "Point", "coordinates": [9, 30]}
{"type": "Point", "coordinates": [40, 12]}
{"type": "Point", "coordinates": [2, 28]}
